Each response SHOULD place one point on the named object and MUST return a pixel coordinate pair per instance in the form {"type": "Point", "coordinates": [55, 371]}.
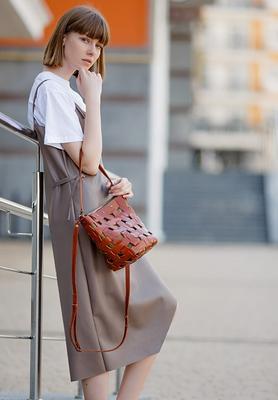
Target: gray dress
{"type": "Point", "coordinates": [101, 291]}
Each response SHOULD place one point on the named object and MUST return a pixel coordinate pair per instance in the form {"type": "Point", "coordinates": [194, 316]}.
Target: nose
{"type": "Point", "coordinates": [92, 48]}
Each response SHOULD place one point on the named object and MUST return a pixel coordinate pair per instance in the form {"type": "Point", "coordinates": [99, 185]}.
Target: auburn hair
{"type": "Point", "coordinates": [85, 20]}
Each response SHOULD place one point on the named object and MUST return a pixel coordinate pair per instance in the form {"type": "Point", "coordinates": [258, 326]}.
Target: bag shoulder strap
{"type": "Point", "coordinates": [73, 322]}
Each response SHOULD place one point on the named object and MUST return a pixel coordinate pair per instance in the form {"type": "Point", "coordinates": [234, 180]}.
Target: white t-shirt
{"type": "Point", "coordinates": [55, 109]}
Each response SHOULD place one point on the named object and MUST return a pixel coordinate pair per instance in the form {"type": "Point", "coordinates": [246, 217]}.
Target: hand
{"type": "Point", "coordinates": [121, 186]}
{"type": "Point", "coordinates": [89, 84]}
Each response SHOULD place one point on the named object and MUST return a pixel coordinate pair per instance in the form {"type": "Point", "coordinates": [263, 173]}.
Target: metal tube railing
{"type": "Point", "coordinates": [39, 219]}
{"type": "Point", "coordinates": [10, 207]}
{"type": "Point", "coordinates": [36, 287]}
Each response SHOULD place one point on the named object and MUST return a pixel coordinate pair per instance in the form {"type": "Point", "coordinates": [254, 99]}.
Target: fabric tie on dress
{"type": "Point", "coordinates": [69, 179]}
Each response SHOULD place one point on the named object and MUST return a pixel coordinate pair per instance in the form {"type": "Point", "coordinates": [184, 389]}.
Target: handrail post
{"type": "Point", "coordinates": [79, 394]}
{"type": "Point", "coordinates": [36, 286]}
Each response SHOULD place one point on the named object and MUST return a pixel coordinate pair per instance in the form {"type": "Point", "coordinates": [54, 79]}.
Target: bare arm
{"type": "Point", "coordinates": [92, 140]}
{"type": "Point", "coordinates": [90, 85]}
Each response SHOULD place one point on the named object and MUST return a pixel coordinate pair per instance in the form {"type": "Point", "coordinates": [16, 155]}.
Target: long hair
{"type": "Point", "coordinates": [84, 20]}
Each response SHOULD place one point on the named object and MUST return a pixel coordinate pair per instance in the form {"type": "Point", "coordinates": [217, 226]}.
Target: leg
{"type": "Point", "coordinates": [134, 378]}
{"type": "Point", "coordinates": [97, 387]}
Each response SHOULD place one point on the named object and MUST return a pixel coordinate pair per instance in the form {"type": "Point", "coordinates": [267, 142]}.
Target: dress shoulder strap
{"type": "Point", "coordinates": [36, 92]}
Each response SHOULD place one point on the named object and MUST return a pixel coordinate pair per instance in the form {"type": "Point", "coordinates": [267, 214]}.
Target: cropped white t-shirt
{"type": "Point", "coordinates": [55, 109]}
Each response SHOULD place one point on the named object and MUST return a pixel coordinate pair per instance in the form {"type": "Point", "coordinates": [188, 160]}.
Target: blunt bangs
{"type": "Point", "coordinates": [92, 25]}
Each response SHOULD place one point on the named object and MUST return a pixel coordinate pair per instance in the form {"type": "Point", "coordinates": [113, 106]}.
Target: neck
{"type": "Point", "coordinates": [64, 72]}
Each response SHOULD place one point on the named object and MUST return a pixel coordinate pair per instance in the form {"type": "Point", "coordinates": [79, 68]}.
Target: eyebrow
{"type": "Point", "coordinates": [88, 37]}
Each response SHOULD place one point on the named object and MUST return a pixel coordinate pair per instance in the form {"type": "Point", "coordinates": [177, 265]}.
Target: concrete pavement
{"type": "Point", "coordinates": [222, 345]}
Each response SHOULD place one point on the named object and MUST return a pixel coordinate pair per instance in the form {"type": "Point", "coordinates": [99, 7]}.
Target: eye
{"type": "Point", "coordinates": [84, 39]}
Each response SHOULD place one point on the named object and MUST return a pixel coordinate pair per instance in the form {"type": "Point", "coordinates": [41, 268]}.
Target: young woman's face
{"type": "Point", "coordinates": [78, 48]}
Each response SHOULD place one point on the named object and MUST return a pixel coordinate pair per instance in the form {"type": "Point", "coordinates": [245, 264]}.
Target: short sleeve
{"type": "Point", "coordinates": [61, 121]}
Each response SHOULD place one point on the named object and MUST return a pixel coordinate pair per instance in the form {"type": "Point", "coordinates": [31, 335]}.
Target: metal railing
{"type": "Point", "coordinates": [39, 219]}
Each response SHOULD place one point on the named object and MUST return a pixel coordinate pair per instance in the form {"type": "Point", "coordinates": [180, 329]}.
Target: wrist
{"type": "Point", "coordinates": [90, 98]}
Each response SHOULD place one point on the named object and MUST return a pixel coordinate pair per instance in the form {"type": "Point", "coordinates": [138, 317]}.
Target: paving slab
{"type": "Point", "coordinates": [222, 345]}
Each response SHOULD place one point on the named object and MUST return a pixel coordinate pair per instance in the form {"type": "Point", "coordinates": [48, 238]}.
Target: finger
{"type": "Point", "coordinates": [122, 181]}
{"type": "Point", "coordinates": [128, 195]}
{"type": "Point", "coordinates": [111, 184]}
{"type": "Point", "coordinates": [117, 192]}
{"type": "Point", "coordinates": [120, 189]}
{"type": "Point", "coordinates": [81, 74]}
{"type": "Point", "coordinates": [121, 192]}
{"type": "Point", "coordinates": [118, 186]}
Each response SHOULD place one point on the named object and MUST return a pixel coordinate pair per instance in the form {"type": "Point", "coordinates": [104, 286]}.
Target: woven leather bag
{"type": "Point", "coordinates": [120, 235]}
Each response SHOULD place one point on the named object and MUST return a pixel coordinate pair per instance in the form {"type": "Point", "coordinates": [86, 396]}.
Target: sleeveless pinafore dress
{"type": "Point", "coordinates": [101, 292]}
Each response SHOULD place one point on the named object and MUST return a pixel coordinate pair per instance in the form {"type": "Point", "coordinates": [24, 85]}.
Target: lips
{"type": "Point", "coordinates": [86, 59]}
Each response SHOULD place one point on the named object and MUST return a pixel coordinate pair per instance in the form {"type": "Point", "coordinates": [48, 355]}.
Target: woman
{"type": "Point", "coordinates": [65, 122]}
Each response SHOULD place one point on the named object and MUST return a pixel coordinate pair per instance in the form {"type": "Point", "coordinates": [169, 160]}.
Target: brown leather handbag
{"type": "Point", "coordinates": [120, 235]}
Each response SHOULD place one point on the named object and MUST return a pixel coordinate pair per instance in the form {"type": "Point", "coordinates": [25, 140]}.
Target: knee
{"type": "Point", "coordinates": [172, 304]}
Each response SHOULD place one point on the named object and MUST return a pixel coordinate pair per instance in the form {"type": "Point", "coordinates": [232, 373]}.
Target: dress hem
{"type": "Point", "coordinates": [119, 366]}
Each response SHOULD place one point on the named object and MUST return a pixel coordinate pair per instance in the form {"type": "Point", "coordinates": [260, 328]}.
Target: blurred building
{"type": "Point", "coordinates": [236, 84]}
{"type": "Point", "coordinates": [221, 182]}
